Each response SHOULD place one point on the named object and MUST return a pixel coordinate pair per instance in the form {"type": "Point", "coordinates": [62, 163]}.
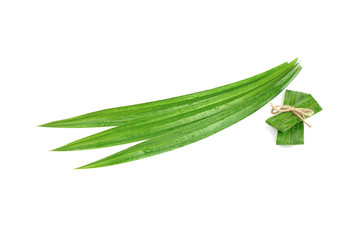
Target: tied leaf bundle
{"type": "Point", "coordinates": [175, 122]}
{"type": "Point", "coordinates": [291, 127]}
{"type": "Point", "coordinates": [295, 135]}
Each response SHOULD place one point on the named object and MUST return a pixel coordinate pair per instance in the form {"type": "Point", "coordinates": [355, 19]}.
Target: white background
{"type": "Point", "coordinates": [63, 58]}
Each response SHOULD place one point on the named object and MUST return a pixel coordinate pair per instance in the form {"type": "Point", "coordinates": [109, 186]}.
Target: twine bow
{"type": "Point", "coordinates": [301, 113]}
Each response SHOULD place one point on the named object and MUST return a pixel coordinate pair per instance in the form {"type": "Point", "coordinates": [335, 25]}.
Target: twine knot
{"type": "Point", "coordinates": [301, 113]}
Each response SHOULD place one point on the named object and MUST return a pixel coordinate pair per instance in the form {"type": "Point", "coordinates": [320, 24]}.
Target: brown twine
{"type": "Point", "coordinates": [301, 113]}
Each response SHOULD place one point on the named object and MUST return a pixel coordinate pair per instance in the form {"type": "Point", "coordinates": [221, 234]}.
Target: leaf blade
{"type": "Point", "coordinates": [133, 133]}
{"type": "Point", "coordinates": [124, 115]}
{"type": "Point", "coordinates": [171, 140]}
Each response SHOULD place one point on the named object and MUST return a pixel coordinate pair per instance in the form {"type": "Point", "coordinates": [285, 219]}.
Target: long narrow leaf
{"type": "Point", "coordinates": [132, 133]}
{"type": "Point", "coordinates": [199, 130]}
{"type": "Point", "coordinates": [140, 112]}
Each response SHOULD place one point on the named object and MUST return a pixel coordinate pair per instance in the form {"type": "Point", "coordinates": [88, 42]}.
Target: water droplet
{"type": "Point", "coordinates": [148, 151]}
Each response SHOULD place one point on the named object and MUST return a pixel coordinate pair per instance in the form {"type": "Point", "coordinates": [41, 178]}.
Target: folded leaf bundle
{"type": "Point", "coordinates": [295, 135]}
{"type": "Point", "coordinates": [173, 123]}
{"type": "Point", "coordinates": [284, 121]}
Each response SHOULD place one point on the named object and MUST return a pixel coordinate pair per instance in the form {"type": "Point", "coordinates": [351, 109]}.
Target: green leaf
{"type": "Point", "coordinates": [287, 120]}
{"type": "Point", "coordinates": [146, 130]}
{"type": "Point", "coordinates": [200, 129]}
{"type": "Point", "coordinates": [156, 110]}
{"type": "Point", "coordinates": [295, 135]}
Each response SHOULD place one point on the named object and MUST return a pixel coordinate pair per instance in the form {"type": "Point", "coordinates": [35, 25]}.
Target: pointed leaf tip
{"type": "Point", "coordinates": [50, 124]}
{"type": "Point", "coordinates": [66, 147]}
{"type": "Point", "coordinates": [57, 149]}
{"type": "Point", "coordinates": [88, 166]}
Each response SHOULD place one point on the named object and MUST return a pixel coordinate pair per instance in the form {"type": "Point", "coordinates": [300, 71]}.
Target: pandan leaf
{"type": "Point", "coordinates": [156, 110]}
{"type": "Point", "coordinates": [146, 130]}
{"type": "Point", "coordinates": [295, 135]}
{"type": "Point", "coordinates": [195, 131]}
{"type": "Point", "coordinates": [287, 120]}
